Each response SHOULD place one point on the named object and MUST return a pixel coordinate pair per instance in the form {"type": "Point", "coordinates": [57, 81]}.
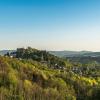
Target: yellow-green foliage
{"type": "Point", "coordinates": [31, 80]}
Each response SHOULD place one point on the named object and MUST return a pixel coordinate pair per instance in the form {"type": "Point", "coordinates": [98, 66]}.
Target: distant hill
{"type": "Point", "coordinates": [64, 53]}
{"type": "Point", "coordinates": [75, 53]}
{"type": "Point", "coordinates": [70, 53]}
{"type": "Point", "coordinates": [3, 52]}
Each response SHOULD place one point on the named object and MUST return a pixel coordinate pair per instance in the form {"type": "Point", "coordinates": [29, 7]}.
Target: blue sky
{"type": "Point", "coordinates": [50, 24]}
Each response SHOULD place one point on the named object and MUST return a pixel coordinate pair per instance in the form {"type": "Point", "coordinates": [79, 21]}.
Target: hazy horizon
{"type": "Point", "coordinates": [49, 49]}
{"type": "Point", "coordinates": [50, 24]}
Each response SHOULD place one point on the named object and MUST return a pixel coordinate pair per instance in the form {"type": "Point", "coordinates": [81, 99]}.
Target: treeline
{"type": "Point", "coordinates": [37, 55]}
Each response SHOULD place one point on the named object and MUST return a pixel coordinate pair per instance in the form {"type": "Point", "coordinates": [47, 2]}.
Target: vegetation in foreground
{"type": "Point", "coordinates": [38, 75]}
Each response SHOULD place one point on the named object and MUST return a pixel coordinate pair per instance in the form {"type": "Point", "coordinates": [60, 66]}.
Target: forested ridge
{"type": "Point", "coordinates": [30, 74]}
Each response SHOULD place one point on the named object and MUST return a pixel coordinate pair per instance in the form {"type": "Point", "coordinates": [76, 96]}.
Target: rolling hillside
{"type": "Point", "coordinates": [75, 53]}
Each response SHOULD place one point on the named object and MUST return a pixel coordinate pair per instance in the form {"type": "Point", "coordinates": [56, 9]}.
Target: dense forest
{"type": "Point", "coordinates": [31, 74]}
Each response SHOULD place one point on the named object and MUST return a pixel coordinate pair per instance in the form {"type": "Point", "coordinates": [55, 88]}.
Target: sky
{"type": "Point", "coordinates": [50, 24]}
